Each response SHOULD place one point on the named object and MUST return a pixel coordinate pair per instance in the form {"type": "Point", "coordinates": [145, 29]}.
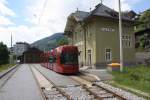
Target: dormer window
{"type": "Point", "coordinates": [113, 14]}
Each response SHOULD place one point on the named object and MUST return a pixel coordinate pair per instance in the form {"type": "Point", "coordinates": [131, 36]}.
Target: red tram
{"type": "Point", "coordinates": [63, 59]}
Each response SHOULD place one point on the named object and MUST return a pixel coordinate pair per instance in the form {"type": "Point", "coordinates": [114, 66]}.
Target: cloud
{"type": "Point", "coordinates": [5, 10]}
{"type": "Point", "coordinates": [45, 18]}
{"type": "Point", "coordinates": [125, 4]}
{"type": "Point", "coordinates": [22, 33]}
{"type": "Point", "coordinates": [45, 12]}
{"type": "Point", "coordinates": [52, 14]}
{"type": "Point", "coordinates": [5, 21]}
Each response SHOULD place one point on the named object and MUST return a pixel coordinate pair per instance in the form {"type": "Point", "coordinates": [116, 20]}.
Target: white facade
{"type": "Point", "coordinates": [20, 47]}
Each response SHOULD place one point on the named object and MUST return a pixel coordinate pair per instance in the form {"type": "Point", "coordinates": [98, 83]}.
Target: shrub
{"type": "Point", "coordinates": [135, 77]}
{"type": "Point", "coordinates": [4, 54]}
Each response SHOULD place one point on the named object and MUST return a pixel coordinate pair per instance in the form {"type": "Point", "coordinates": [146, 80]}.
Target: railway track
{"type": "Point", "coordinates": [97, 91]}
{"type": "Point", "coordinates": [86, 90]}
{"type": "Point", "coordinates": [102, 91]}
{"type": "Point", "coordinates": [7, 75]}
{"type": "Point", "coordinates": [48, 89]}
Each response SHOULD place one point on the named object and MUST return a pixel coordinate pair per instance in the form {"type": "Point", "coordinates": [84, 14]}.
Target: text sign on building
{"type": "Point", "coordinates": [79, 43]}
{"type": "Point", "coordinates": [107, 29]}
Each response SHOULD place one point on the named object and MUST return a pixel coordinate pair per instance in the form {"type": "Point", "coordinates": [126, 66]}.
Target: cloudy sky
{"type": "Point", "coordinates": [31, 20]}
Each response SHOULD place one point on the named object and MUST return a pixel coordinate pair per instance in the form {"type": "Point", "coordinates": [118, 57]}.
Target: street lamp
{"type": "Point", "coordinates": [120, 37]}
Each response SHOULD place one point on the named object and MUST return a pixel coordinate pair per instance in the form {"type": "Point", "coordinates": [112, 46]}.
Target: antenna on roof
{"type": "Point", "coordinates": [11, 40]}
{"type": "Point", "coordinates": [77, 9]}
{"type": "Point", "coordinates": [90, 5]}
{"type": "Point", "coordinates": [101, 1]}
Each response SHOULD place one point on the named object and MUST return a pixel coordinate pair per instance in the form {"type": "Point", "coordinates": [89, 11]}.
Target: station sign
{"type": "Point", "coordinates": [108, 29]}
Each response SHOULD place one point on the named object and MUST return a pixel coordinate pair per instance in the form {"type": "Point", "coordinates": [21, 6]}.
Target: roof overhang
{"type": "Point", "coordinates": [71, 23]}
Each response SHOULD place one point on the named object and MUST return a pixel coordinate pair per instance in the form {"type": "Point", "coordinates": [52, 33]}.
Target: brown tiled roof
{"type": "Point", "coordinates": [102, 10]}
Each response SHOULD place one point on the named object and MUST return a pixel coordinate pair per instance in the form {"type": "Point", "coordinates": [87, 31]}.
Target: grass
{"type": "Point", "coordinates": [134, 77]}
{"type": "Point", "coordinates": [5, 67]}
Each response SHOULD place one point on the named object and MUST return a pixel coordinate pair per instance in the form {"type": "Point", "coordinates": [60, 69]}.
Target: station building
{"type": "Point", "coordinates": [20, 47]}
{"type": "Point", "coordinates": [96, 34]}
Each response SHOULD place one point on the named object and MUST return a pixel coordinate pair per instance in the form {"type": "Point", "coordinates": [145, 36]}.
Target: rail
{"type": "Point", "coordinates": [8, 71]}
{"type": "Point", "coordinates": [115, 94]}
{"type": "Point", "coordinates": [55, 86]}
{"type": "Point", "coordinates": [94, 84]}
{"type": "Point", "coordinates": [96, 92]}
{"type": "Point", "coordinates": [40, 88]}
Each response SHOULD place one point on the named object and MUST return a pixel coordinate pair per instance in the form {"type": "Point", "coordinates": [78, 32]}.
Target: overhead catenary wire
{"type": "Point", "coordinates": [43, 10]}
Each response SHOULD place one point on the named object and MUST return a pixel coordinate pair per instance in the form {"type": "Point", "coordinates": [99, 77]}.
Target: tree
{"type": "Point", "coordinates": [144, 20]}
{"type": "Point", "coordinates": [144, 23]}
{"type": "Point", "coordinates": [145, 41]}
{"type": "Point", "coordinates": [4, 54]}
{"type": "Point", "coordinates": [63, 41]}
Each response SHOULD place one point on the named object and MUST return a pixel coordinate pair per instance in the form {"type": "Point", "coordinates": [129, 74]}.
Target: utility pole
{"type": "Point", "coordinates": [11, 51]}
{"type": "Point", "coordinates": [120, 37]}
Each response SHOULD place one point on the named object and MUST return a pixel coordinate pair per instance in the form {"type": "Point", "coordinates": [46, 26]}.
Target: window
{"type": "Point", "coordinates": [126, 41]}
{"type": "Point", "coordinates": [89, 58]}
{"type": "Point", "coordinates": [69, 58]}
{"type": "Point", "coordinates": [52, 59]}
{"type": "Point", "coordinates": [108, 55]}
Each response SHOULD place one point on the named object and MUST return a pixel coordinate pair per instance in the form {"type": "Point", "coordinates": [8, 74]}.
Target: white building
{"type": "Point", "coordinates": [20, 47]}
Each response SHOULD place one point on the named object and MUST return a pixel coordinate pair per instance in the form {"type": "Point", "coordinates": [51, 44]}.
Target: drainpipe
{"type": "Point", "coordinates": [84, 33]}
{"type": "Point", "coordinates": [72, 39]}
{"type": "Point", "coordinates": [24, 58]}
{"type": "Point", "coordinates": [84, 29]}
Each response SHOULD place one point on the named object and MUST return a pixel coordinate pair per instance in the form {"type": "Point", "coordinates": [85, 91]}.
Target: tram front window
{"type": "Point", "coordinates": [69, 58]}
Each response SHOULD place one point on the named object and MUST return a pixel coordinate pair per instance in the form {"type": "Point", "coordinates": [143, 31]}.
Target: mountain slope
{"type": "Point", "coordinates": [49, 42]}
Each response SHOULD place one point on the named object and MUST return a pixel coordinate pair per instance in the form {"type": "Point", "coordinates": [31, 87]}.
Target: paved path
{"type": "Point", "coordinates": [7, 76]}
{"type": "Point", "coordinates": [101, 73]}
{"type": "Point", "coordinates": [21, 86]}
{"type": "Point", "coordinates": [58, 79]}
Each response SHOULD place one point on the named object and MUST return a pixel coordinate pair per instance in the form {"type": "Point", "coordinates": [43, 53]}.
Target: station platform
{"type": "Point", "coordinates": [58, 79]}
{"type": "Point", "coordinates": [21, 86]}
{"type": "Point", "coordinates": [100, 74]}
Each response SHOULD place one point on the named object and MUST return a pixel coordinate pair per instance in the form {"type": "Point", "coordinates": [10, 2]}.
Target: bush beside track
{"type": "Point", "coordinates": [137, 78]}
{"type": "Point", "coordinates": [5, 67]}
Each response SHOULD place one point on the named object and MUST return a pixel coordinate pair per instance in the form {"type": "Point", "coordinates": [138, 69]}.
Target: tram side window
{"type": "Point", "coordinates": [69, 58]}
{"type": "Point", "coordinates": [52, 59]}
{"type": "Point", "coordinates": [62, 58]}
